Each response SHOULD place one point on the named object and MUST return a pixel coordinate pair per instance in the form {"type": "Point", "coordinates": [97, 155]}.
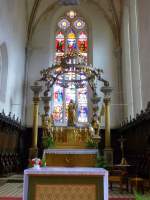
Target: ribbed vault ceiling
{"type": "Point", "coordinates": [111, 9]}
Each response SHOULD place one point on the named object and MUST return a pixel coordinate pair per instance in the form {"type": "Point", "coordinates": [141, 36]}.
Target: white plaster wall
{"type": "Point", "coordinates": [101, 55]}
{"type": "Point", "coordinates": [13, 33]}
{"type": "Point", "coordinates": [144, 48]}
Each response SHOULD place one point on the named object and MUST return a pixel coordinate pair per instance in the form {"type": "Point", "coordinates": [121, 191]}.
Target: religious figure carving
{"type": "Point", "coordinates": [47, 122]}
{"type": "Point", "coordinates": [96, 121]}
{"type": "Point", "coordinates": [71, 113]}
{"type": "Point", "coordinates": [96, 125]}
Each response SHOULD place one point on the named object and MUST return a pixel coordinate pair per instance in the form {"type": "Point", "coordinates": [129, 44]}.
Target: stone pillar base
{"type": "Point", "coordinates": [108, 155]}
{"type": "Point", "coordinates": [33, 152]}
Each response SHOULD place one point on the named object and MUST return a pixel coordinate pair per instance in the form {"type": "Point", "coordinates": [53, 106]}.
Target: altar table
{"type": "Point", "coordinates": [64, 183]}
{"type": "Point", "coordinates": [70, 157]}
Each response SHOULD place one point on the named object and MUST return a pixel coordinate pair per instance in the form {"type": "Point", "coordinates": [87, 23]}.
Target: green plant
{"type": "Point", "coordinates": [48, 142]}
{"type": "Point", "coordinates": [43, 162]}
{"type": "Point", "coordinates": [101, 162]}
{"type": "Point", "coordinates": [91, 143]}
{"type": "Point", "coordinates": [139, 196]}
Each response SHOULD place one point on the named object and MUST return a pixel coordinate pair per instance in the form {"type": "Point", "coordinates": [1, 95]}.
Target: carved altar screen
{"type": "Point", "coordinates": [71, 35]}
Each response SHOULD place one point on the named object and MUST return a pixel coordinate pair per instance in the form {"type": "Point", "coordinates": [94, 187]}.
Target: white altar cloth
{"type": "Point", "coordinates": [70, 151]}
{"type": "Point", "coordinates": [65, 171]}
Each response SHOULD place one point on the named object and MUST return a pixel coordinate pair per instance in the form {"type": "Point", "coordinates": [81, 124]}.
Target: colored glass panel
{"type": "Point", "coordinates": [83, 45]}
{"type": "Point", "coordinates": [70, 91]}
{"type": "Point", "coordinates": [71, 41]}
{"type": "Point", "coordinates": [79, 24]}
{"type": "Point", "coordinates": [63, 24]}
{"type": "Point", "coordinates": [58, 104]}
{"type": "Point", "coordinates": [82, 103]}
{"type": "Point", "coordinates": [71, 14]}
{"type": "Point", "coordinates": [82, 42]}
{"type": "Point", "coordinates": [60, 45]}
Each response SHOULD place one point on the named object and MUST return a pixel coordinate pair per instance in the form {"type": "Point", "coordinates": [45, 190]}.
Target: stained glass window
{"type": "Point", "coordinates": [71, 35]}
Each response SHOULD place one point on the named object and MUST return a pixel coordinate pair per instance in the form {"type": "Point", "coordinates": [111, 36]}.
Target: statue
{"type": "Point", "coordinates": [96, 121]}
{"type": "Point", "coordinates": [71, 113]}
{"type": "Point", "coordinates": [95, 124]}
{"type": "Point", "coordinates": [47, 122]}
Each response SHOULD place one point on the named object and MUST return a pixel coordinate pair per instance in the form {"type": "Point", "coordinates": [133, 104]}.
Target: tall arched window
{"type": "Point", "coordinates": [71, 34]}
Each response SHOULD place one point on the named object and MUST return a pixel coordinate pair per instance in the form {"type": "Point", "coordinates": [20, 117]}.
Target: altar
{"type": "Point", "coordinates": [70, 157]}
{"type": "Point", "coordinates": [70, 173]}
{"type": "Point", "coordinates": [51, 183]}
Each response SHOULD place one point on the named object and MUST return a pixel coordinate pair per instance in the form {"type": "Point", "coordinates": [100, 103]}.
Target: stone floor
{"type": "Point", "coordinates": [12, 186]}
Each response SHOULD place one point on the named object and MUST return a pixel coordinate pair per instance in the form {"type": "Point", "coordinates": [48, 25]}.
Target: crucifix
{"type": "Point", "coordinates": [123, 160]}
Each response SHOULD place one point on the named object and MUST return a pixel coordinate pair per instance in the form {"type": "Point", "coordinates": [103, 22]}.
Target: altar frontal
{"type": "Point", "coordinates": [62, 183]}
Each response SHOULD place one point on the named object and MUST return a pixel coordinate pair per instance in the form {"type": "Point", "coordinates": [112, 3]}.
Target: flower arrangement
{"type": "Point", "coordinates": [36, 162]}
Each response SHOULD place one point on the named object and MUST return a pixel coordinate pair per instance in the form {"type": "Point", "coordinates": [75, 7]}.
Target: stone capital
{"type": "Point", "coordinates": [36, 100]}
{"type": "Point", "coordinates": [107, 100]}
{"type": "Point", "coordinates": [107, 90]}
{"type": "Point", "coordinates": [36, 88]}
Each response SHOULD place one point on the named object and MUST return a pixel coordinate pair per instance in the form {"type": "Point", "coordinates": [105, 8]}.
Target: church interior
{"type": "Point", "coordinates": [74, 100]}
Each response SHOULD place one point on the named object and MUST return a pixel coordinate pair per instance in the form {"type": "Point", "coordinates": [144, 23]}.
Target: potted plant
{"type": "Point", "coordinates": [48, 142]}
{"type": "Point", "coordinates": [101, 162]}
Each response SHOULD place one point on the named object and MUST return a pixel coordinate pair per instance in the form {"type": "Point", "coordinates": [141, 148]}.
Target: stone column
{"type": "Point", "coordinates": [108, 152]}
{"type": "Point", "coordinates": [36, 88]}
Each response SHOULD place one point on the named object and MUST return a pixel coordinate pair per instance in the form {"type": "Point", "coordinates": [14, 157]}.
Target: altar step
{"type": "Point", "coordinates": [13, 191]}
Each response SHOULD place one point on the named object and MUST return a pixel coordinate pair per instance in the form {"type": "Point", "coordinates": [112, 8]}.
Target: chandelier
{"type": "Point", "coordinates": [71, 63]}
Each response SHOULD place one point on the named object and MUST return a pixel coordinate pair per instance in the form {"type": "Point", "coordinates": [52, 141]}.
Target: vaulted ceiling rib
{"type": "Point", "coordinates": [111, 10]}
